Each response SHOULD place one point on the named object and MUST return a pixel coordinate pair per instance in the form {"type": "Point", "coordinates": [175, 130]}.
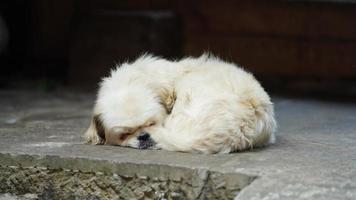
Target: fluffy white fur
{"type": "Point", "coordinates": [192, 105]}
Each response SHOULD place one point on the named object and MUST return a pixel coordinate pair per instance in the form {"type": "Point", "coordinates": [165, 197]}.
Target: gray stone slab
{"type": "Point", "coordinates": [314, 157]}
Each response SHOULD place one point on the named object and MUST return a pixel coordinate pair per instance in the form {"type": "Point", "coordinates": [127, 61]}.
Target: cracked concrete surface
{"type": "Point", "coordinates": [314, 157]}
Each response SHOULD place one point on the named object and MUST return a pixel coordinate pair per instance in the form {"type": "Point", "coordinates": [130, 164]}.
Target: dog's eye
{"type": "Point", "coordinates": [124, 136]}
{"type": "Point", "coordinates": [151, 123]}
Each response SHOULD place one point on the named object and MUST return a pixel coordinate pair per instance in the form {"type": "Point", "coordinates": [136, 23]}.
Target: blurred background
{"type": "Point", "coordinates": [304, 47]}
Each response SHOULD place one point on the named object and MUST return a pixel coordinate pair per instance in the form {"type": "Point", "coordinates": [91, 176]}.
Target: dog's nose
{"type": "Point", "coordinates": [143, 136]}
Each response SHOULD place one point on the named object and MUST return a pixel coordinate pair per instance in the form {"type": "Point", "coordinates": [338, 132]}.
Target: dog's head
{"type": "Point", "coordinates": [125, 116]}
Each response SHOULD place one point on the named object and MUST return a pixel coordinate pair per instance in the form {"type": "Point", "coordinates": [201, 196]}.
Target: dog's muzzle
{"type": "Point", "coordinates": [145, 141]}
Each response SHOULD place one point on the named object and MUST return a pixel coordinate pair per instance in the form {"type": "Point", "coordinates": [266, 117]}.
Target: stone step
{"type": "Point", "coordinates": [42, 156]}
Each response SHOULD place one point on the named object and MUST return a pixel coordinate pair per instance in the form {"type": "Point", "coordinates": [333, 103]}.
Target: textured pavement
{"type": "Point", "coordinates": [314, 157]}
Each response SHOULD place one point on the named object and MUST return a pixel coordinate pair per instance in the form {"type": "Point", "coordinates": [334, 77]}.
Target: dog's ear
{"type": "Point", "coordinates": [95, 134]}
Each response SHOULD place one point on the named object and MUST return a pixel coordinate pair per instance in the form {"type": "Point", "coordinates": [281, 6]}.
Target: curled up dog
{"type": "Point", "coordinates": [199, 104]}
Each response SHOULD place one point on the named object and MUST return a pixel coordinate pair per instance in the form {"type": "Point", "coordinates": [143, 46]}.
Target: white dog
{"type": "Point", "coordinates": [193, 105]}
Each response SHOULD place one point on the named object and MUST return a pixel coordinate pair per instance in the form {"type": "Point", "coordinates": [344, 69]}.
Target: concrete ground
{"type": "Point", "coordinates": [314, 157]}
